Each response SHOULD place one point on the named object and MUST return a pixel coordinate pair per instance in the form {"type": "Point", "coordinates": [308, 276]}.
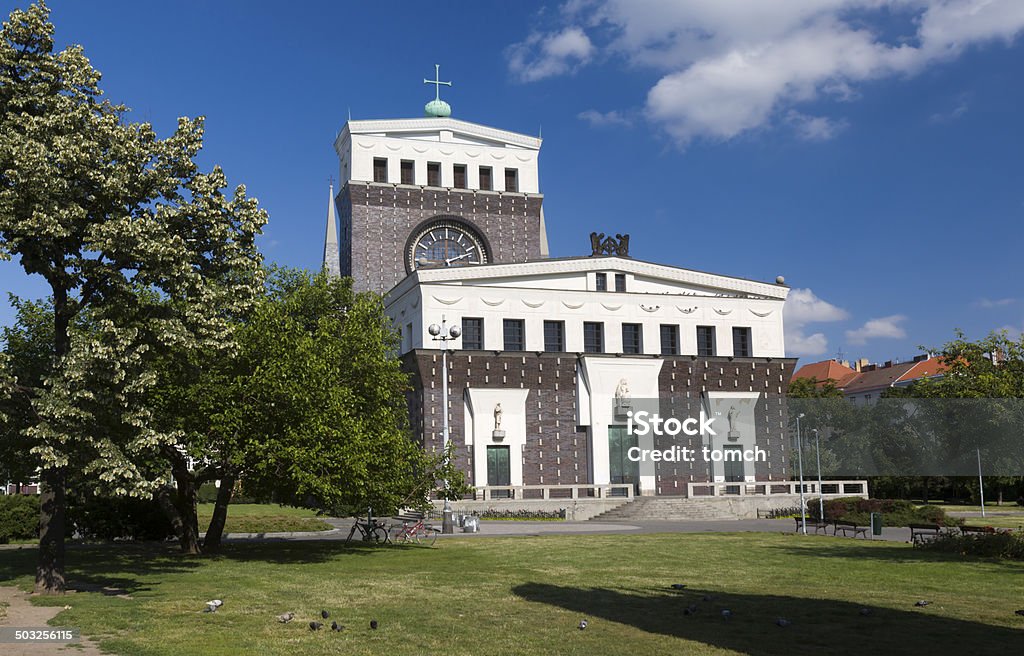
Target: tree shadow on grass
{"type": "Point", "coordinates": [895, 555]}
{"type": "Point", "coordinates": [817, 626]}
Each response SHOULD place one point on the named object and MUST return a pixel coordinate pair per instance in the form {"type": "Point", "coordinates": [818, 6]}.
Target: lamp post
{"type": "Point", "coordinates": [439, 334]}
{"type": "Point", "coordinates": [800, 460]}
{"type": "Point", "coordinates": [821, 495]}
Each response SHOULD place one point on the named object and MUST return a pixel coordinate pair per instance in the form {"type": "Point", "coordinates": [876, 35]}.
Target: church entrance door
{"type": "Point", "coordinates": [733, 468]}
{"type": "Point", "coordinates": [498, 470]}
{"type": "Point", "coordinates": [620, 468]}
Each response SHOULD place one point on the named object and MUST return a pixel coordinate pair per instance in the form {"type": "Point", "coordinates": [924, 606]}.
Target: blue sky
{"type": "Point", "coordinates": [869, 151]}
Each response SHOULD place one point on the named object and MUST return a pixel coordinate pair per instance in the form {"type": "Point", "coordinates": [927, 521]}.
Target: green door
{"type": "Point", "coordinates": [498, 469]}
{"type": "Point", "coordinates": [620, 468]}
{"type": "Point", "coordinates": [733, 468]}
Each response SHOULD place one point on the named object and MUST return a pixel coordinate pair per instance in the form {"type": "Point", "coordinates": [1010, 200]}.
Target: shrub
{"type": "Point", "coordinates": [493, 513]}
{"type": "Point", "coordinates": [895, 512]}
{"type": "Point", "coordinates": [989, 545]}
{"type": "Point", "coordinates": [19, 517]}
{"type": "Point", "coordinates": [117, 518]}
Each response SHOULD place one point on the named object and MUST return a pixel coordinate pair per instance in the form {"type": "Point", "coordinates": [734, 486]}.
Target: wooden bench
{"type": "Point", "coordinates": [846, 527]}
{"type": "Point", "coordinates": [976, 530]}
{"type": "Point", "coordinates": [817, 524]}
{"type": "Point", "coordinates": [921, 532]}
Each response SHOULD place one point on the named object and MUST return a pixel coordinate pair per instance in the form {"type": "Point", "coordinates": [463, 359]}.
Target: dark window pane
{"type": "Point", "coordinates": [380, 169]}
{"type": "Point", "coordinates": [601, 282]}
{"type": "Point", "coordinates": [705, 341]}
{"type": "Point", "coordinates": [408, 172]}
{"type": "Point", "coordinates": [511, 180]}
{"type": "Point", "coordinates": [485, 178]}
{"type": "Point", "coordinates": [593, 337]}
{"type": "Point", "coordinates": [433, 174]}
{"type": "Point", "coordinates": [472, 333]}
{"type": "Point", "coordinates": [741, 347]}
{"type": "Point", "coordinates": [620, 282]}
{"type": "Point", "coordinates": [669, 340]}
{"type": "Point", "coordinates": [460, 176]}
{"type": "Point", "coordinates": [632, 338]}
{"type": "Point", "coordinates": [514, 335]}
{"type": "Point", "coordinates": [554, 335]}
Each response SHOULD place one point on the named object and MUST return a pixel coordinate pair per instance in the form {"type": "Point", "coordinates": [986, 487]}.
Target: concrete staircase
{"type": "Point", "coordinates": [669, 509]}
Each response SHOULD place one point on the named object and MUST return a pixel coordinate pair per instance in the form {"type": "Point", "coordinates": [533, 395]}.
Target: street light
{"type": "Point", "coordinates": [439, 334]}
{"type": "Point", "coordinates": [821, 494]}
{"type": "Point", "coordinates": [800, 459]}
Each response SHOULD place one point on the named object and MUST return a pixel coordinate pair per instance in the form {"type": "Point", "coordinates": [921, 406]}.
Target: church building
{"type": "Point", "coordinates": [550, 357]}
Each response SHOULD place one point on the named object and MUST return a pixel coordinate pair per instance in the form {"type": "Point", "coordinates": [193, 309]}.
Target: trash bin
{"type": "Point", "coordinates": [876, 523]}
{"type": "Point", "coordinates": [470, 524]}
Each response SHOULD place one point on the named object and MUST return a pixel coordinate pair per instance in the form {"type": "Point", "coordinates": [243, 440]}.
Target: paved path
{"type": "Point", "coordinates": [20, 613]}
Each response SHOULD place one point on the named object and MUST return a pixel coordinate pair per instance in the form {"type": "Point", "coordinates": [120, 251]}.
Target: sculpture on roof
{"type": "Point", "coordinates": [602, 245]}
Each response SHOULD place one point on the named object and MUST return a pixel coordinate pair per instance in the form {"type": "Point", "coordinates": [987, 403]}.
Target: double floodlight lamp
{"type": "Point", "coordinates": [435, 331]}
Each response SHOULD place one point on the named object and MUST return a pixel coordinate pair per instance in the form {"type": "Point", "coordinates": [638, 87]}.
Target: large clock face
{"type": "Point", "coordinates": [445, 244]}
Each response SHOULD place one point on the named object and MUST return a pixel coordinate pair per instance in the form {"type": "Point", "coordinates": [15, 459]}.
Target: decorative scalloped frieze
{"type": "Point", "coordinates": [447, 301]}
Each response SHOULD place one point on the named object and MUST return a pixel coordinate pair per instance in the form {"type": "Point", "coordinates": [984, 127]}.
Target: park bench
{"type": "Point", "coordinates": [922, 532]}
{"type": "Point", "coordinates": [847, 527]}
{"type": "Point", "coordinates": [976, 530]}
{"type": "Point", "coordinates": [817, 524]}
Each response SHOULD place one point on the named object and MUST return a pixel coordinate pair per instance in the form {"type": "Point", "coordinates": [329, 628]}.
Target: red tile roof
{"type": "Point", "coordinates": [824, 371]}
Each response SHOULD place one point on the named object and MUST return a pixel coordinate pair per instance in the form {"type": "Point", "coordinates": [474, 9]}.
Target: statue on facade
{"type": "Point", "coordinates": [498, 433]}
{"type": "Point", "coordinates": [623, 400]}
{"type": "Point", "coordinates": [731, 418]}
{"type": "Point", "coordinates": [602, 245]}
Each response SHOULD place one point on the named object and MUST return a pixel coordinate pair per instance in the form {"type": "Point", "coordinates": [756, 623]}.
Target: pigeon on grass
{"type": "Point", "coordinates": [1019, 612]}
{"type": "Point", "coordinates": [922, 603]}
{"type": "Point", "coordinates": [783, 622]}
{"type": "Point", "coordinates": [678, 586]}
{"type": "Point", "coordinates": [324, 614]}
{"type": "Point", "coordinates": [213, 605]}
{"type": "Point", "coordinates": [284, 618]}
{"type": "Point", "coordinates": [337, 627]}
{"type": "Point", "coordinates": [865, 611]}
{"type": "Point", "coordinates": [373, 624]}
{"type": "Point", "coordinates": [583, 624]}
{"type": "Point", "coordinates": [315, 626]}
{"type": "Point", "coordinates": [726, 613]}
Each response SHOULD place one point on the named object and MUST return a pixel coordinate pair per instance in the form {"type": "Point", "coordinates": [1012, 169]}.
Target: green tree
{"type": "Point", "coordinates": [120, 224]}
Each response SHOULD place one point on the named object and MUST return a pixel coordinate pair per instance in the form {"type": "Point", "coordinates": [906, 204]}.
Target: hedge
{"type": "Point", "coordinates": [19, 517]}
{"type": "Point", "coordinates": [989, 545]}
{"type": "Point", "coordinates": [895, 512]}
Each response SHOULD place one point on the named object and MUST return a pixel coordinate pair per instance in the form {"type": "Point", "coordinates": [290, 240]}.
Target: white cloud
{"type": "Point", "coordinates": [732, 66]}
{"type": "Point", "coordinates": [544, 55]}
{"type": "Point", "coordinates": [883, 327]}
{"type": "Point", "coordinates": [989, 304]}
{"type": "Point", "coordinates": [814, 128]}
{"type": "Point", "coordinates": [803, 307]}
{"type": "Point", "coordinates": [605, 119]}
{"type": "Point", "coordinates": [948, 117]}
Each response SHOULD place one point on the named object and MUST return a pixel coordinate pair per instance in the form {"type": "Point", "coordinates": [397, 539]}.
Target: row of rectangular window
{"type": "Point", "coordinates": [514, 335]}
{"type": "Point", "coordinates": [459, 178]}
{"type": "Point", "coordinates": [601, 282]}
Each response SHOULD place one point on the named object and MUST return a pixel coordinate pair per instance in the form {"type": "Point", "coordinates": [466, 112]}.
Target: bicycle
{"type": "Point", "coordinates": [413, 529]}
{"type": "Point", "coordinates": [371, 530]}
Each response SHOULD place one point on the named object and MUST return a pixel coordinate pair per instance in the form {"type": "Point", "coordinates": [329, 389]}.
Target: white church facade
{"type": "Point", "coordinates": [445, 219]}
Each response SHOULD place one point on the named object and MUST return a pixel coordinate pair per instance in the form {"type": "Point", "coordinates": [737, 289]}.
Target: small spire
{"type": "Point", "coordinates": [332, 254]}
{"type": "Point", "coordinates": [437, 107]}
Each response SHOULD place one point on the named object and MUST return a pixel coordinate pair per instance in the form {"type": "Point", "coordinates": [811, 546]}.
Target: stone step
{"type": "Point", "coordinates": [668, 509]}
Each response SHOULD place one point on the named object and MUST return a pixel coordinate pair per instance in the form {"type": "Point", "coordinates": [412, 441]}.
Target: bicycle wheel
{"type": "Point", "coordinates": [432, 533]}
{"type": "Point", "coordinates": [351, 532]}
{"type": "Point", "coordinates": [379, 534]}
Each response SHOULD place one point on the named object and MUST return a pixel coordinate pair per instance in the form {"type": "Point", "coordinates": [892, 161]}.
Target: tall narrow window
{"type": "Point", "coordinates": [486, 181]}
{"type": "Point", "coordinates": [459, 171]}
{"type": "Point", "coordinates": [408, 172]}
{"type": "Point", "coordinates": [669, 340]}
{"type": "Point", "coordinates": [472, 333]}
{"type": "Point", "coordinates": [601, 282]}
{"type": "Point", "coordinates": [620, 282]}
{"type": "Point", "coordinates": [380, 169]}
{"type": "Point", "coordinates": [515, 335]}
{"type": "Point", "coordinates": [632, 338]}
{"type": "Point", "coordinates": [706, 341]}
{"type": "Point", "coordinates": [593, 337]}
{"type": "Point", "coordinates": [554, 336]}
{"type": "Point", "coordinates": [741, 347]}
{"type": "Point", "coordinates": [433, 174]}
{"type": "Point", "coordinates": [511, 180]}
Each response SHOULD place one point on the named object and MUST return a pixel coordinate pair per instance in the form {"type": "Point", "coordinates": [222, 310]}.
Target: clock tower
{"type": "Point", "coordinates": [433, 192]}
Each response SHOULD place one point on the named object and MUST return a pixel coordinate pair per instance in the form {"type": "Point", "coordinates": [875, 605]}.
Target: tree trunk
{"type": "Point", "coordinates": [179, 504]}
{"type": "Point", "coordinates": [52, 521]}
{"type": "Point", "coordinates": [53, 498]}
{"type": "Point", "coordinates": [215, 531]}
{"type": "Point", "coordinates": [924, 489]}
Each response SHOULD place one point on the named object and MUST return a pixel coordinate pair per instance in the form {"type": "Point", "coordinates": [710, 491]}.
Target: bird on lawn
{"type": "Point", "coordinates": [783, 622]}
{"type": "Point", "coordinates": [690, 610]}
{"type": "Point", "coordinates": [678, 586]}
{"type": "Point", "coordinates": [373, 624]}
{"type": "Point", "coordinates": [922, 603]}
{"type": "Point", "coordinates": [284, 618]}
{"type": "Point", "coordinates": [1019, 612]}
{"type": "Point", "coordinates": [324, 614]}
{"type": "Point", "coordinates": [865, 611]}
{"type": "Point", "coordinates": [337, 627]}
{"type": "Point", "coordinates": [583, 624]}
{"type": "Point", "coordinates": [213, 605]}
{"type": "Point", "coordinates": [726, 613]}
{"type": "Point", "coordinates": [315, 626]}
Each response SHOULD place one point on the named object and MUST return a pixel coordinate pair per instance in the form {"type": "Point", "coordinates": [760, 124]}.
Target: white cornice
{"type": "Point", "coordinates": [397, 126]}
{"type": "Point", "coordinates": [483, 273]}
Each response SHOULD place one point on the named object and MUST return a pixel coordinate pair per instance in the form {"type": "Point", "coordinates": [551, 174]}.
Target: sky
{"type": "Point", "coordinates": [869, 151]}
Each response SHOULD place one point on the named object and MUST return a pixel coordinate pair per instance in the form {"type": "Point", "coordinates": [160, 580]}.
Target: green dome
{"type": "Point", "coordinates": [438, 108]}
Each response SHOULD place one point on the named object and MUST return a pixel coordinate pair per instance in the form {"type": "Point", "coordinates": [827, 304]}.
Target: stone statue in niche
{"type": "Point", "coordinates": [731, 417]}
{"type": "Point", "coordinates": [623, 400]}
{"type": "Point", "coordinates": [602, 245]}
{"type": "Point", "coordinates": [498, 433]}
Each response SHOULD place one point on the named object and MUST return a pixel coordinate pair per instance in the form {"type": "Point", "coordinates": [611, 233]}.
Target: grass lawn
{"type": "Point", "coordinates": [999, 521]}
{"type": "Point", "coordinates": [526, 595]}
{"type": "Point", "coordinates": [263, 518]}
